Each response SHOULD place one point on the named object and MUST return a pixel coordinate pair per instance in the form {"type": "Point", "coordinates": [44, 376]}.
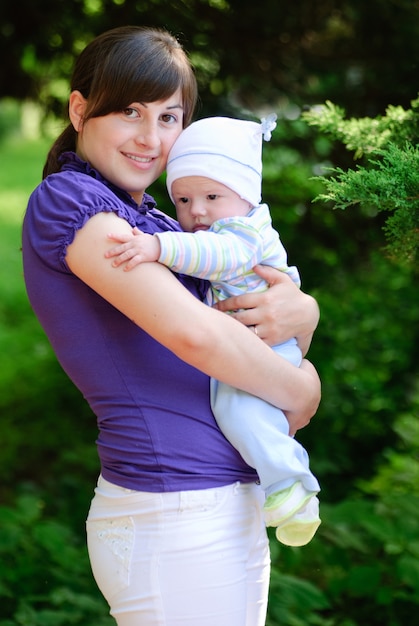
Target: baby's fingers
{"type": "Point", "coordinates": [120, 254]}
{"type": "Point", "coordinates": [116, 251]}
{"type": "Point", "coordinates": [123, 257]}
{"type": "Point", "coordinates": [120, 237]}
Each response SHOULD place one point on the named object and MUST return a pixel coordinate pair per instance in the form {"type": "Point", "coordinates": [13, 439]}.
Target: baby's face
{"type": "Point", "coordinates": [201, 201]}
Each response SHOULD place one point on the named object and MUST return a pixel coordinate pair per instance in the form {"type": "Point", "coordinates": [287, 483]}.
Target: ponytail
{"type": "Point", "coordinates": [64, 143]}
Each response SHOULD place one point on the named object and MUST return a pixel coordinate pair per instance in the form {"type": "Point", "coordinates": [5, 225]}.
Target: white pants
{"type": "Point", "coordinates": [190, 558]}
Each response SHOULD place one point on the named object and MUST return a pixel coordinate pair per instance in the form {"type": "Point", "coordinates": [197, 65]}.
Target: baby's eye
{"type": "Point", "coordinates": [212, 196]}
{"type": "Point", "coordinates": [181, 201]}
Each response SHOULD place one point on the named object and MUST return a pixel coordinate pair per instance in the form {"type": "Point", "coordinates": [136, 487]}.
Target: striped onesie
{"type": "Point", "coordinates": [227, 252]}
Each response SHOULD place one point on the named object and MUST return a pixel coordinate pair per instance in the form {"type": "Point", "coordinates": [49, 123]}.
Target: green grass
{"type": "Point", "coordinates": [21, 171]}
{"type": "Point", "coordinates": [22, 163]}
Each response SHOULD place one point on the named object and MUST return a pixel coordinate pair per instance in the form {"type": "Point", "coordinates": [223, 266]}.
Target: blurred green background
{"type": "Point", "coordinates": [362, 568]}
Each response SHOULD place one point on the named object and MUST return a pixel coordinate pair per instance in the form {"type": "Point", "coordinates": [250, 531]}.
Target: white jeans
{"type": "Point", "coordinates": [190, 558]}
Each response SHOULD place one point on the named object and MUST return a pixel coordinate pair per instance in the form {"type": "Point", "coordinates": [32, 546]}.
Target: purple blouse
{"type": "Point", "coordinates": [156, 429]}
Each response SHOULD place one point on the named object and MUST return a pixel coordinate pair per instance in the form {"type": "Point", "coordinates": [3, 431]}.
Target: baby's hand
{"type": "Point", "coordinates": [136, 247]}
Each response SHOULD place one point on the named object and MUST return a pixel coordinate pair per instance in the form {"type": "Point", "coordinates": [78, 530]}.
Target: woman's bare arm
{"type": "Point", "coordinates": [214, 343]}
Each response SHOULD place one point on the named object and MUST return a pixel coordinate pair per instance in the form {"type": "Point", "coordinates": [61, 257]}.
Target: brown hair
{"type": "Point", "coordinates": [125, 65]}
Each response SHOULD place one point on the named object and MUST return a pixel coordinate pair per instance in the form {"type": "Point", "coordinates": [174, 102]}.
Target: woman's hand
{"type": "Point", "coordinates": [281, 312]}
{"type": "Point", "coordinates": [299, 419]}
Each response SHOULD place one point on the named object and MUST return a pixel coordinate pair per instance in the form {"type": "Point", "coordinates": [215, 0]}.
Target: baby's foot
{"type": "Point", "coordinates": [300, 528]}
{"type": "Point", "coordinates": [281, 505]}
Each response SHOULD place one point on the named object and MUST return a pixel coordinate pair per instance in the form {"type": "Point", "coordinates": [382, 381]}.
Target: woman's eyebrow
{"type": "Point", "coordinates": [172, 106]}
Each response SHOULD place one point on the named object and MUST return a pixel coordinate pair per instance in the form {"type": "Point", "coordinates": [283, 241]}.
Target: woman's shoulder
{"type": "Point", "coordinates": [71, 197]}
{"type": "Point", "coordinates": [62, 204]}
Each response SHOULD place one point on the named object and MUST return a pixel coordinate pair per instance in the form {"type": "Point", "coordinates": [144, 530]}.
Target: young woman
{"type": "Point", "coordinates": [175, 530]}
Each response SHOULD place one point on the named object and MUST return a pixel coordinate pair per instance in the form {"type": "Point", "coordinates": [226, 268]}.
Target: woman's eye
{"type": "Point", "coordinates": [130, 112]}
{"type": "Point", "coordinates": [168, 118]}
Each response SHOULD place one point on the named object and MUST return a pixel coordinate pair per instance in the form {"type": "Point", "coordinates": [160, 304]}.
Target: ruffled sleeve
{"type": "Point", "coordinates": [60, 206]}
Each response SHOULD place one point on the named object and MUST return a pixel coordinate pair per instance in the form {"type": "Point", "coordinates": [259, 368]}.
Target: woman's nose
{"type": "Point", "coordinates": [148, 135]}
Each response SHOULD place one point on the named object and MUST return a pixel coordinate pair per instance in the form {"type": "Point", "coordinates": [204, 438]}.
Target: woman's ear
{"type": "Point", "coordinates": [76, 110]}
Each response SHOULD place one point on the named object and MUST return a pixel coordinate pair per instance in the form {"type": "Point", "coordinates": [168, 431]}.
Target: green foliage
{"type": "Point", "coordinates": [370, 551]}
{"type": "Point", "coordinates": [399, 470]}
{"type": "Point", "coordinates": [362, 567]}
{"type": "Point", "coordinates": [359, 53]}
{"type": "Point", "coordinates": [45, 578]}
{"type": "Point", "coordinates": [294, 601]}
{"type": "Point", "coordinates": [365, 135]}
{"type": "Point", "coordinates": [389, 181]}
{"type": "Point", "coordinates": [364, 350]}
{"type": "Point", "coordinates": [390, 184]}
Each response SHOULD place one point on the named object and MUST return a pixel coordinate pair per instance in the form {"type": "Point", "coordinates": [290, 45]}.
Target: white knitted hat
{"type": "Point", "coordinates": [224, 149]}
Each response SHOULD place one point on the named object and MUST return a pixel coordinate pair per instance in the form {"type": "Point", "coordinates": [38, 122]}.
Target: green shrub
{"type": "Point", "coordinates": [388, 179]}
{"type": "Point", "coordinates": [362, 567]}
{"type": "Point", "coordinates": [45, 578]}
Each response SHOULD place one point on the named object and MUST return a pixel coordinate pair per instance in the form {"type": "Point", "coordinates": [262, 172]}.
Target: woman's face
{"type": "Point", "coordinates": [129, 148]}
